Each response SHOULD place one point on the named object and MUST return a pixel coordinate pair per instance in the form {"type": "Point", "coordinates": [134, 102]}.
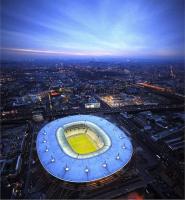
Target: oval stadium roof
{"type": "Point", "coordinates": [67, 168]}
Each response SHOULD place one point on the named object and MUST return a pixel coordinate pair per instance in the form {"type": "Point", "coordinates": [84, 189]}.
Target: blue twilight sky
{"type": "Point", "coordinates": [126, 28]}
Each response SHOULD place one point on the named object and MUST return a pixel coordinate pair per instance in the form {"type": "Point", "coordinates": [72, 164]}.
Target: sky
{"type": "Point", "coordinates": [117, 28]}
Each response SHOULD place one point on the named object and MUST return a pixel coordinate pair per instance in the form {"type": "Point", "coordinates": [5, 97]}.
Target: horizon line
{"type": "Point", "coordinates": [164, 54]}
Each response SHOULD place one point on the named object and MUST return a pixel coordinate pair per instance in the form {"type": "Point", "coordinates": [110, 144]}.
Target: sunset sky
{"type": "Point", "coordinates": [123, 28]}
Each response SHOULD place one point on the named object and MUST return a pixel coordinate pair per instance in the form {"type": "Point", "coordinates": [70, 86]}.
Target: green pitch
{"type": "Point", "coordinates": [82, 144]}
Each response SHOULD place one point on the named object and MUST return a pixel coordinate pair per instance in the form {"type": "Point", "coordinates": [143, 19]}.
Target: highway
{"type": "Point", "coordinates": [27, 115]}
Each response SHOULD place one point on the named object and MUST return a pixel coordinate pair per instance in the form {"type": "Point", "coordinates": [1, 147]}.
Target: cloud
{"type": "Point", "coordinates": [115, 27]}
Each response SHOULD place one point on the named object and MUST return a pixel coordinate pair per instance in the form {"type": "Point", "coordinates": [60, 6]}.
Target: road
{"type": "Point", "coordinates": [25, 115]}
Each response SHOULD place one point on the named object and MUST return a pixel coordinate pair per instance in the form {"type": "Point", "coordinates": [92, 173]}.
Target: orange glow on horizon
{"type": "Point", "coordinates": [88, 52]}
{"type": "Point", "coordinates": [58, 53]}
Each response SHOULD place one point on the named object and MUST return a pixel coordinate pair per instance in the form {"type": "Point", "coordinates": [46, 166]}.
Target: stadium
{"type": "Point", "coordinates": [83, 150]}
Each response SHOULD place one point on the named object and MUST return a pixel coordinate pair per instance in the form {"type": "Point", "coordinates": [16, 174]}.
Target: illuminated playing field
{"type": "Point", "coordinates": [82, 144]}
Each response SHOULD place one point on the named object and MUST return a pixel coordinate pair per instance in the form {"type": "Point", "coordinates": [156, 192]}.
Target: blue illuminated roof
{"type": "Point", "coordinates": [68, 168]}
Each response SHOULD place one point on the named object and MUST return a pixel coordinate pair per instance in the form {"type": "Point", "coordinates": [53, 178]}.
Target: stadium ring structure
{"type": "Point", "coordinates": [61, 161]}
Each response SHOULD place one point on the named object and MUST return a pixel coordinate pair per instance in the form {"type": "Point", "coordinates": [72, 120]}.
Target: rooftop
{"type": "Point", "coordinates": [83, 168]}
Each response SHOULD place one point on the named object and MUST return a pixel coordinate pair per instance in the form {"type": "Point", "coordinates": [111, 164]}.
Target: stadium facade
{"type": "Point", "coordinates": [64, 155]}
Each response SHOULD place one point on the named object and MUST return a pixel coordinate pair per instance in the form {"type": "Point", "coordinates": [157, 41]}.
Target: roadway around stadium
{"type": "Point", "coordinates": [82, 148]}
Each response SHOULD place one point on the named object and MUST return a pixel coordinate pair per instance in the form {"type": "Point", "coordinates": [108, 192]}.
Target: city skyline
{"type": "Point", "coordinates": [148, 29]}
